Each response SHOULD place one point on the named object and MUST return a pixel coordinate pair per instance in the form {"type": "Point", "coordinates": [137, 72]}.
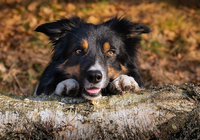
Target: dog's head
{"type": "Point", "coordinates": [92, 54]}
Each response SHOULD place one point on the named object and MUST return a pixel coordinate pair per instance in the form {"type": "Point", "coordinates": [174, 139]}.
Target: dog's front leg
{"type": "Point", "coordinates": [122, 84]}
{"type": "Point", "coordinates": [68, 87]}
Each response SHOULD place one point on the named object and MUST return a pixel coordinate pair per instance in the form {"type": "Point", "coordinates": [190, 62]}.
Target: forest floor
{"type": "Point", "coordinates": [170, 54]}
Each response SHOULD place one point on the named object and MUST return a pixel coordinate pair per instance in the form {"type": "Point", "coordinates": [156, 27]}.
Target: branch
{"type": "Point", "coordinates": [153, 113]}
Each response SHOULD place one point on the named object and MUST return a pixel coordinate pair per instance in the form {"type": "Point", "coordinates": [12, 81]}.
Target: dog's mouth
{"type": "Point", "coordinates": [92, 93]}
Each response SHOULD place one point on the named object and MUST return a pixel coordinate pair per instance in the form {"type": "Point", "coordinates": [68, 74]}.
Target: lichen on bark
{"type": "Point", "coordinates": [160, 112]}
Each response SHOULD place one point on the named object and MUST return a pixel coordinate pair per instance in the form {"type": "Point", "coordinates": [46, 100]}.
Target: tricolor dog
{"type": "Point", "coordinates": [88, 59]}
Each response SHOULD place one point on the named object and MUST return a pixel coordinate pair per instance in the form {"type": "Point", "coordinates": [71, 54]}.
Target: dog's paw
{"type": "Point", "coordinates": [68, 87]}
{"type": "Point", "coordinates": [122, 84]}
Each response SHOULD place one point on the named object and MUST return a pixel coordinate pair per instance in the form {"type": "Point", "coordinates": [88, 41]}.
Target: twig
{"type": "Point", "coordinates": [18, 83]}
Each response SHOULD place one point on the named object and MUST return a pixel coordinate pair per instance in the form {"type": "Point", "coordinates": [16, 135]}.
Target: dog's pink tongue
{"type": "Point", "coordinates": [92, 90]}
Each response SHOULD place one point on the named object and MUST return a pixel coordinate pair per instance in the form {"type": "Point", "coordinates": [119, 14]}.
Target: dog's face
{"type": "Point", "coordinates": [93, 55]}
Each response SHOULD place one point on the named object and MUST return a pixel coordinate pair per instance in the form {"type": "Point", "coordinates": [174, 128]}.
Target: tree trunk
{"type": "Point", "coordinates": [163, 113]}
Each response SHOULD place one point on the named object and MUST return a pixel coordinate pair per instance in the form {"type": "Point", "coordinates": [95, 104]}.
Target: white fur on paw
{"type": "Point", "coordinates": [67, 86]}
{"type": "Point", "coordinates": [124, 83]}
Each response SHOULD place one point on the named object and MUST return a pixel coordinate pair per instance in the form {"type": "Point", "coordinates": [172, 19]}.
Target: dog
{"type": "Point", "coordinates": [88, 59]}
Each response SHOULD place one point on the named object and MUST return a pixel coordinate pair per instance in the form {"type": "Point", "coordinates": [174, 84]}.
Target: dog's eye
{"type": "Point", "coordinates": [110, 53]}
{"type": "Point", "coordinates": [78, 51]}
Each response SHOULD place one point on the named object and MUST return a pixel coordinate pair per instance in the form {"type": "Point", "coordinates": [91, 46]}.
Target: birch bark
{"type": "Point", "coordinates": [151, 113]}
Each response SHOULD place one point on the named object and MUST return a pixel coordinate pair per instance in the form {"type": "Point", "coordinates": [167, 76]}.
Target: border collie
{"type": "Point", "coordinates": [89, 58]}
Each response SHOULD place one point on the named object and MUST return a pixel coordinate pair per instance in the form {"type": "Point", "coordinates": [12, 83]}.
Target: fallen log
{"type": "Point", "coordinates": [164, 112]}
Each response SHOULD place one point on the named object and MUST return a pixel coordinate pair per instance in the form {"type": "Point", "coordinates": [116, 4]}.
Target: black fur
{"type": "Point", "coordinates": [66, 35]}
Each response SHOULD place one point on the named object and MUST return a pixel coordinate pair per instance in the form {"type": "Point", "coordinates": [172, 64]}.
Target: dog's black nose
{"type": "Point", "coordinates": [94, 76]}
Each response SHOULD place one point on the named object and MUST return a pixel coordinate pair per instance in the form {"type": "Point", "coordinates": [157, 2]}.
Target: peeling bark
{"type": "Point", "coordinates": [159, 113]}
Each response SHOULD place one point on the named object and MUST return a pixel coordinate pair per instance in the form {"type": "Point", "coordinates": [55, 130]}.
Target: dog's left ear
{"type": "Point", "coordinates": [126, 27]}
{"type": "Point", "coordinates": [56, 30]}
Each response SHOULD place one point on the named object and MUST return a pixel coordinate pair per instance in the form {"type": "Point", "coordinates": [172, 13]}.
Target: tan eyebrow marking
{"type": "Point", "coordinates": [84, 45]}
{"type": "Point", "coordinates": [106, 47]}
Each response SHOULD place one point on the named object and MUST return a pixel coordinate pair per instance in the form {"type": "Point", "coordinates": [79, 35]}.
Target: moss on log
{"type": "Point", "coordinates": [162, 113]}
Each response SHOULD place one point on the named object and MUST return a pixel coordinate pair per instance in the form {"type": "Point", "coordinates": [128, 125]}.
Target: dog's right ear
{"type": "Point", "coordinates": [56, 30]}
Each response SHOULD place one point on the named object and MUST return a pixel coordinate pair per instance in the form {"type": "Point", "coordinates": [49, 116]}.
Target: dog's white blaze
{"type": "Point", "coordinates": [68, 85]}
{"type": "Point", "coordinates": [96, 66]}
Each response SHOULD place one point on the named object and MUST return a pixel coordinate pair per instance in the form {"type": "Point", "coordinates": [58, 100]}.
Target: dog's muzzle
{"type": "Point", "coordinates": [95, 81]}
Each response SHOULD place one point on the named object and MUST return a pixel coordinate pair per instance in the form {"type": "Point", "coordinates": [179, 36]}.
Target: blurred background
{"type": "Point", "coordinates": [170, 54]}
